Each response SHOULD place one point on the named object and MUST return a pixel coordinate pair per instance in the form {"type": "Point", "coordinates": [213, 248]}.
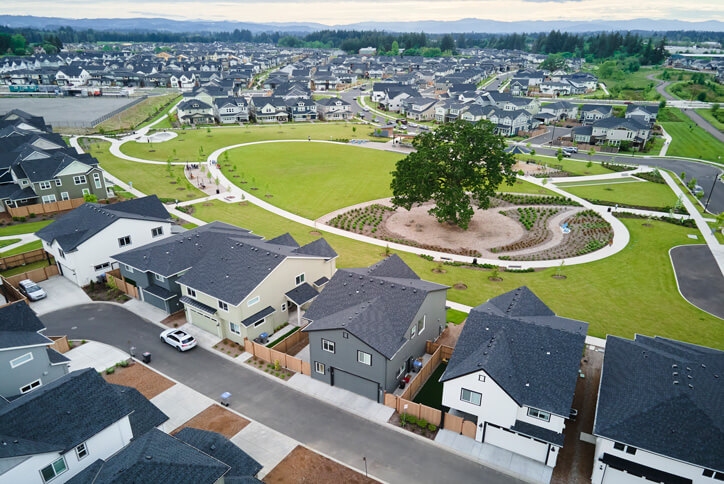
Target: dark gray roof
{"type": "Point", "coordinates": [145, 415]}
{"type": "Point", "coordinates": [285, 239]}
{"type": "Point", "coordinates": [14, 445]}
{"type": "Point", "coordinates": [55, 357]}
{"type": "Point", "coordinates": [531, 353]}
{"type": "Point", "coordinates": [159, 292]}
{"type": "Point", "coordinates": [155, 457]}
{"type": "Point", "coordinates": [198, 305]}
{"type": "Point", "coordinates": [537, 432]}
{"type": "Point", "coordinates": [321, 281]}
{"type": "Point", "coordinates": [258, 316]}
{"type": "Point", "coordinates": [640, 404]}
{"type": "Point", "coordinates": [302, 294]}
{"type": "Point", "coordinates": [19, 326]}
{"type": "Point", "coordinates": [377, 304]}
{"type": "Point", "coordinates": [221, 448]}
{"type": "Point", "coordinates": [319, 248]}
{"type": "Point", "coordinates": [74, 228]}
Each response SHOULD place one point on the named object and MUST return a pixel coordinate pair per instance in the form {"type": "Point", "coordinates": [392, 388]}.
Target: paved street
{"type": "Point", "coordinates": [700, 281]}
{"type": "Point", "coordinates": [391, 455]}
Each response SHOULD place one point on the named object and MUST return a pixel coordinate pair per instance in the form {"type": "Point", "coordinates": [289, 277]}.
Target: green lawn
{"type": "Point", "coordinates": [431, 392]}
{"type": "Point", "coordinates": [631, 292]}
{"type": "Point", "coordinates": [688, 139]}
{"type": "Point", "coordinates": [456, 317]}
{"type": "Point", "coordinates": [6, 242]}
{"type": "Point", "coordinates": [522, 186]}
{"type": "Point", "coordinates": [26, 268]}
{"type": "Point", "coordinates": [706, 114]}
{"type": "Point", "coordinates": [633, 85]}
{"type": "Point", "coordinates": [136, 114]}
{"type": "Point", "coordinates": [312, 179]}
{"type": "Point", "coordinates": [165, 124]}
{"type": "Point", "coordinates": [36, 244]}
{"type": "Point", "coordinates": [644, 194]}
{"type": "Point", "coordinates": [23, 228]}
{"type": "Point", "coordinates": [150, 179]}
{"type": "Point", "coordinates": [190, 143]}
{"type": "Point", "coordinates": [575, 167]}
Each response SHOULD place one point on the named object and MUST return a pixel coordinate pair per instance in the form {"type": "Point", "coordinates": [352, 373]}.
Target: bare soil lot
{"type": "Point", "coordinates": [216, 419]}
{"type": "Point", "coordinates": [304, 466]}
{"type": "Point", "coordinates": [146, 381]}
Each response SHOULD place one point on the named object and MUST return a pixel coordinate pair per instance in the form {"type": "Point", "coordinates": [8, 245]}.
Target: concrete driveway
{"type": "Point", "coordinates": [61, 294]}
{"type": "Point", "coordinates": [699, 278]}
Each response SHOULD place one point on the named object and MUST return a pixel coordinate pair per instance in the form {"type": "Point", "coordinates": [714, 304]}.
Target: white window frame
{"type": "Point", "coordinates": [121, 240]}
{"type": "Point", "coordinates": [58, 182]}
{"type": "Point", "coordinates": [231, 327]}
{"type": "Point", "coordinates": [319, 368]}
{"type": "Point", "coordinates": [190, 292]}
{"type": "Point", "coordinates": [362, 356]}
{"type": "Point", "coordinates": [481, 378]}
{"type": "Point", "coordinates": [52, 466]}
{"type": "Point", "coordinates": [14, 362]}
{"type": "Point", "coordinates": [64, 196]}
{"type": "Point", "coordinates": [253, 301]}
{"type": "Point", "coordinates": [157, 231]}
{"type": "Point", "coordinates": [44, 185]}
{"type": "Point", "coordinates": [424, 324]}
{"type": "Point", "coordinates": [329, 346]}
{"type": "Point", "coordinates": [49, 198]}
{"type": "Point", "coordinates": [284, 307]}
{"type": "Point", "coordinates": [128, 268]}
{"type": "Point", "coordinates": [81, 449]}
{"type": "Point", "coordinates": [299, 279]}
{"type": "Point", "coordinates": [61, 253]}
{"type": "Point", "coordinates": [97, 180]}
{"type": "Point", "coordinates": [539, 414]}
{"type": "Point", "coordinates": [223, 306]}
{"type": "Point", "coordinates": [80, 180]}
{"type": "Point", "coordinates": [32, 386]}
{"type": "Point", "coordinates": [100, 267]}
{"type": "Point", "coordinates": [159, 277]}
{"type": "Point", "coordinates": [472, 394]}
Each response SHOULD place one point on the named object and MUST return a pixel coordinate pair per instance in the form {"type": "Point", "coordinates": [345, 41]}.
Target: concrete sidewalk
{"type": "Point", "coordinates": [95, 355]}
{"type": "Point", "coordinates": [265, 445]}
{"type": "Point", "coordinates": [181, 404]}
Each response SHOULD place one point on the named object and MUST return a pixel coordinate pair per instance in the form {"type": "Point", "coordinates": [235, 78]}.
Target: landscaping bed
{"type": "Point", "coordinates": [303, 466]}
{"type": "Point", "coordinates": [272, 368]}
{"type": "Point", "coordinates": [216, 418]}
{"type": "Point", "coordinates": [414, 425]}
{"type": "Point", "coordinates": [143, 379]}
{"type": "Point", "coordinates": [230, 348]}
{"type": "Point", "coordinates": [103, 292]}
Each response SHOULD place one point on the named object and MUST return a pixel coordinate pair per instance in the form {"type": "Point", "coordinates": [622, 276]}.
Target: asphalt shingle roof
{"type": "Point", "coordinates": [538, 432]}
{"type": "Point", "coordinates": [527, 350]}
{"type": "Point", "coordinates": [258, 316]}
{"type": "Point", "coordinates": [145, 415]}
{"type": "Point", "coordinates": [19, 326]}
{"type": "Point", "coordinates": [302, 294]}
{"type": "Point", "coordinates": [663, 396]}
{"type": "Point", "coordinates": [56, 357]}
{"type": "Point", "coordinates": [221, 448]}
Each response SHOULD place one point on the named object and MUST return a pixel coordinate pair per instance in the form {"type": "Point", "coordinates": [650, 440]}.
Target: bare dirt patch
{"type": "Point", "coordinates": [216, 419]}
{"type": "Point", "coordinates": [143, 379]}
{"type": "Point", "coordinates": [450, 335]}
{"type": "Point", "coordinates": [230, 348]}
{"type": "Point", "coordinates": [460, 286]}
{"type": "Point", "coordinates": [315, 233]}
{"type": "Point", "coordinates": [175, 320]}
{"type": "Point", "coordinates": [303, 466]}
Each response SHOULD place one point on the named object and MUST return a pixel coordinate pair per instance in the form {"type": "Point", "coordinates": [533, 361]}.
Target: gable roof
{"type": "Point", "coordinates": [20, 326]}
{"type": "Point", "coordinates": [531, 353]}
{"type": "Point", "coordinates": [664, 396]}
{"type": "Point", "coordinates": [221, 448]}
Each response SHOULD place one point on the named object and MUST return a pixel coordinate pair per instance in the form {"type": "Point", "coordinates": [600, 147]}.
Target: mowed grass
{"type": "Point", "coordinates": [150, 179]}
{"type": "Point", "coordinates": [644, 194]}
{"type": "Point", "coordinates": [312, 179]}
{"type": "Point", "coordinates": [631, 292]}
{"type": "Point", "coordinates": [706, 114]}
{"type": "Point", "coordinates": [36, 244]}
{"type": "Point", "coordinates": [575, 167]}
{"type": "Point", "coordinates": [191, 143]}
{"type": "Point", "coordinates": [522, 186]}
{"type": "Point", "coordinates": [688, 139]}
{"type": "Point", "coordinates": [23, 228]}
{"type": "Point", "coordinates": [137, 113]}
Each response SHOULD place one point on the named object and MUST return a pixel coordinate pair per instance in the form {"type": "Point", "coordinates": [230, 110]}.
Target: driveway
{"type": "Point", "coordinates": [699, 278]}
{"type": "Point", "coordinates": [391, 455]}
{"type": "Point", "coordinates": [61, 294]}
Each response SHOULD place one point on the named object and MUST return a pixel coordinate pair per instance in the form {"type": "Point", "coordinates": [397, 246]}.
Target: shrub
{"type": "Point", "coordinates": [422, 423]}
{"type": "Point", "coordinates": [431, 427]}
{"type": "Point", "coordinates": [123, 364]}
{"type": "Point", "coordinates": [32, 215]}
{"type": "Point", "coordinates": [110, 371]}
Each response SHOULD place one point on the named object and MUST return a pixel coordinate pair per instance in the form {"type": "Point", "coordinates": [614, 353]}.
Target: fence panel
{"type": "Point", "coordinates": [60, 344]}
{"type": "Point", "coordinates": [391, 400]}
{"type": "Point", "coordinates": [306, 368]}
{"type": "Point", "coordinates": [262, 352]}
{"type": "Point", "coordinates": [278, 356]}
{"type": "Point", "coordinates": [453, 423]}
{"type": "Point", "coordinates": [412, 407]}
{"type": "Point", "coordinates": [51, 207]}
{"type": "Point", "coordinates": [432, 415]}
{"type": "Point", "coordinates": [424, 374]}
{"type": "Point", "coordinates": [22, 259]}
{"type": "Point", "coordinates": [469, 429]}
{"type": "Point", "coordinates": [248, 346]}
{"type": "Point", "coordinates": [294, 364]}
{"type": "Point", "coordinates": [36, 275]}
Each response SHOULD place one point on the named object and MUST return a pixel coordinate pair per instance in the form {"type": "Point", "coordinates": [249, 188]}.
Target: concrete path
{"type": "Point", "coordinates": [181, 404]}
{"type": "Point", "coordinates": [267, 446]}
{"type": "Point", "coordinates": [698, 279]}
{"type": "Point", "coordinates": [24, 239]}
{"type": "Point", "coordinates": [93, 354]}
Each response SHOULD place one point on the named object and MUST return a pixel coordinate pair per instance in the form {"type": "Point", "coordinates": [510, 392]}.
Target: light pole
{"type": "Point", "coordinates": [713, 185]}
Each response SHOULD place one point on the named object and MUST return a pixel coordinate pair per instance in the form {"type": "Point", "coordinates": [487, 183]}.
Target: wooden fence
{"type": "Point", "coordinates": [423, 375]}
{"type": "Point", "coordinates": [271, 355]}
{"type": "Point", "coordinates": [446, 353]}
{"type": "Point", "coordinates": [25, 258]}
{"type": "Point", "coordinates": [432, 415]}
{"type": "Point", "coordinates": [51, 207]}
{"type": "Point", "coordinates": [293, 341]}
{"type": "Point", "coordinates": [36, 275]}
{"type": "Point", "coordinates": [60, 344]}
{"type": "Point", "coordinates": [114, 277]}
{"type": "Point", "coordinates": [458, 425]}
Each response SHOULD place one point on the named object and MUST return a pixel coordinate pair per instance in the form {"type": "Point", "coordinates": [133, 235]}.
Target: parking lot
{"type": "Point", "coordinates": [65, 111]}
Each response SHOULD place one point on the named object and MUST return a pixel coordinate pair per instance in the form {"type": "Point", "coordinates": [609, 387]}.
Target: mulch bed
{"type": "Point", "coordinates": [143, 379]}
{"type": "Point", "coordinates": [303, 466]}
{"type": "Point", "coordinates": [461, 287]}
{"type": "Point", "coordinates": [230, 348]}
{"type": "Point", "coordinates": [315, 233]}
{"type": "Point", "coordinates": [175, 320]}
{"type": "Point", "coordinates": [396, 419]}
{"type": "Point", "coordinates": [101, 292]}
{"type": "Point", "coordinates": [281, 373]}
{"type": "Point", "coordinates": [216, 418]}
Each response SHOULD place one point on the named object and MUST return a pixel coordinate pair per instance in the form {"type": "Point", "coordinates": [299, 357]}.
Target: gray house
{"type": "Point", "coordinates": [26, 361]}
{"type": "Point", "coordinates": [370, 324]}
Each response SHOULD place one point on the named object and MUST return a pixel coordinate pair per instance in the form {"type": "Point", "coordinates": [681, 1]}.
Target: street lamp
{"type": "Point", "coordinates": [713, 185]}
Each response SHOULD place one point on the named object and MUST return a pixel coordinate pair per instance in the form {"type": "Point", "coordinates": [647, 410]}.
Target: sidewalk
{"type": "Point", "coordinates": [94, 355]}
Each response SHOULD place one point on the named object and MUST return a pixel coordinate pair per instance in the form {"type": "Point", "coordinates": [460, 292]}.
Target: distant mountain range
{"type": "Point", "coordinates": [428, 26]}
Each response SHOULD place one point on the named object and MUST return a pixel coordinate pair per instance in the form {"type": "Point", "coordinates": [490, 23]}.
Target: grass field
{"type": "Point", "coordinates": [36, 244]}
{"type": "Point", "coordinates": [6, 242]}
{"type": "Point", "coordinates": [706, 114]}
{"type": "Point", "coordinates": [133, 116]}
{"type": "Point", "coordinates": [578, 168]}
{"type": "Point", "coordinates": [150, 179]}
{"type": "Point", "coordinates": [645, 194]}
{"type": "Point", "coordinates": [166, 123]}
{"type": "Point", "coordinates": [631, 292]}
{"type": "Point", "coordinates": [24, 228]}
{"type": "Point", "coordinates": [522, 186]}
{"type": "Point", "coordinates": [456, 317]}
{"type": "Point", "coordinates": [632, 86]}
{"type": "Point", "coordinates": [688, 139]}
{"type": "Point", "coordinates": [683, 87]}
{"type": "Point", "coordinates": [189, 142]}
{"type": "Point", "coordinates": [312, 179]}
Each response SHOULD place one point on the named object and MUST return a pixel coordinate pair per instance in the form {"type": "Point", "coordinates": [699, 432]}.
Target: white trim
{"type": "Point", "coordinates": [317, 366]}
{"type": "Point", "coordinates": [32, 386]}
{"type": "Point", "coordinates": [369, 359]}
{"type": "Point", "coordinates": [13, 363]}
{"type": "Point", "coordinates": [253, 301]}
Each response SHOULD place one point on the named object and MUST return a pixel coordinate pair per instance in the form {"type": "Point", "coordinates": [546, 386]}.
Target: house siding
{"type": "Point", "coordinates": [37, 368]}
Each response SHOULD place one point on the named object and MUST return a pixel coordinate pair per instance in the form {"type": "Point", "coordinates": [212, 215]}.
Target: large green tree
{"type": "Point", "coordinates": [458, 166]}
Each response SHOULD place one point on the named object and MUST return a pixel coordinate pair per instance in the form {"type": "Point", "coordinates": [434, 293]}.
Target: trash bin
{"type": "Point", "coordinates": [147, 357]}
{"type": "Point", "coordinates": [225, 399]}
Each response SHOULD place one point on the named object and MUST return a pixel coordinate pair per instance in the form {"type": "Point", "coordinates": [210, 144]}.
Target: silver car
{"type": "Point", "coordinates": [31, 290]}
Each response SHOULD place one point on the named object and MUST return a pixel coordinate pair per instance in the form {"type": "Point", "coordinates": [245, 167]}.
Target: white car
{"type": "Point", "coordinates": [31, 290]}
{"type": "Point", "coordinates": [179, 339]}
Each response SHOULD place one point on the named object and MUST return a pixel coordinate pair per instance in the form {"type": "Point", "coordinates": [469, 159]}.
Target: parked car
{"type": "Point", "coordinates": [365, 109]}
{"type": "Point", "coordinates": [698, 189]}
{"type": "Point", "coordinates": [31, 290]}
{"type": "Point", "coordinates": [570, 149]}
{"type": "Point", "coordinates": [179, 339]}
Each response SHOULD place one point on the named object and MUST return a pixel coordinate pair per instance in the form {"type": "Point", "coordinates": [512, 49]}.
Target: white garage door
{"type": "Point", "coordinates": [614, 476]}
{"type": "Point", "coordinates": [516, 443]}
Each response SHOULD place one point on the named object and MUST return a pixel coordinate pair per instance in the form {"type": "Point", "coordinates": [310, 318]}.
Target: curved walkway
{"type": "Point", "coordinates": [24, 239]}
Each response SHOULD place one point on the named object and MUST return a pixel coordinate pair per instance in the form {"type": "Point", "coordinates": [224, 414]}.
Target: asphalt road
{"type": "Point", "coordinates": [391, 456]}
{"type": "Point", "coordinates": [699, 278]}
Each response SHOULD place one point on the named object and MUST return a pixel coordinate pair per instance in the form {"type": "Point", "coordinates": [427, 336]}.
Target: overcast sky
{"type": "Point", "coordinates": [342, 12]}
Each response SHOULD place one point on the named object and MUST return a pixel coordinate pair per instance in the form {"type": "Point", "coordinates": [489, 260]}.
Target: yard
{"type": "Point", "coordinates": [136, 114]}
{"type": "Point", "coordinates": [688, 139]}
{"type": "Point", "coordinates": [305, 466]}
{"type": "Point", "coordinates": [148, 382]}
{"type": "Point", "coordinates": [635, 193]}
{"type": "Point", "coordinates": [311, 179]}
{"type": "Point", "coordinates": [23, 228]}
{"type": "Point", "coordinates": [216, 418]}
{"type": "Point", "coordinates": [431, 392]}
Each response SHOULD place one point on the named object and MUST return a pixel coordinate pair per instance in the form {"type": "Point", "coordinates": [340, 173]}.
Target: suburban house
{"type": "Point", "coordinates": [25, 358]}
{"type": "Point", "coordinates": [334, 109]}
{"type": "Point", "coordinates": [57, 431]}
{"type": "Point", "coordinates": [269, 109]}
{"type": "Point", "coordinates": [195, 111]}
{"type": "Point", "coordinates": [249, 286]}
{"type": "Point", "coordinates": [615, 131]}
{"type": "Point", "coordinates": [419, 108]}
{"type": "Point", "coordinates": [301, 109]}
{"type": "Point", "coordinates": [83, 240]}
{"type": "Point", "coordinates": [370, 324]}
{"type": "Point", "coordinates": [229, 110]}
{"type": "Point", "coordinates": [594, 112]}
{"type": "Point", "coordinates": [513, 372]}
{"type": "Point", "coordinates": [561, 110]}
{"type": "Point", "coordinates": [642, 112]}
{"type": "Point", "coordinates": [659, 413]}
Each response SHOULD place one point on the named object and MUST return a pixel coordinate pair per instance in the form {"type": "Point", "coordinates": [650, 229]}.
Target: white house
{"type": "Point", "coordinates": [514, 372]}
{"type": "Point", "coordinates": [659, 413]}
{"type": "Point", "coordinates": [83, 241]}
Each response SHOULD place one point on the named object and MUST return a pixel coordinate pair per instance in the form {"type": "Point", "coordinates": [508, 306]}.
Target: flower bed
{"type": "Point", "coordinates": [271, 368]}
{"type": "Point", "coordinates": [535, 220]}
{"type": "Point", "coordinates": [414, 425]}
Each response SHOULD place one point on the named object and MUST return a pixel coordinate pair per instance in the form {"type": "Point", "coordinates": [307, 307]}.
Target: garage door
{"type": "Point", "coordinates": [356, 384]}
{"type": "Point", "coordinates": [516, 443]}
{"type": "Point", "coordinates": [614, 476]}
{"type": "Point", "coordinates": [197, 318]}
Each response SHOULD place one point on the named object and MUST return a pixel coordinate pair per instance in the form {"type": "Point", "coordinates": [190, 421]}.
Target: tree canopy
{"type": "Point", "coordinates": [458, 166]}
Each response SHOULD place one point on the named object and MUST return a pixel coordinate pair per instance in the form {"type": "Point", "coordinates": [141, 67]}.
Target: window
{"type": "Point", "coordinates": [319, 367]}
{"type": "Point", "coordinates": [97, 180]}
{"type": "Point", "coordinates": [471, 397]}
{"type": "Point", "coordinates": [79, 180]}
{"type": "Point", "coordinates": [260, 322]}
{"type": "Point", "coordinates": [55, 469]}
{"type": "Point", "coordinates": [58, 182]}
{"type": "Point", "coordinates": [223, 305]}
{"type": "Point", "coordinates": [328, 345]}
{"type": "Point", "coordinates": [128, 268]}
{"type": "Point", "coordinates": [253, 301]}
{"type": "Point", "coordinates": [30, 386]}
{"type": "Point", "coordinates": [86, 191]}
{"type": "Point", "coordinates": [155, 232]}
{"type": "Point", "coordinates": [159, 277]}
{"type": "Point", "coordinates": [481, 378]}
{"type": "Point", "coordinates": [345, 334]}
{"type": "Point", "coordinates": [401, 371]}
{"type": "Point", "coordinates": [235, 328]}
{"type": "Point", "coordinates": [539, 414]}
{"type": "Point", "coordinates": [284, 307]}
{"type": "Point", "coordinates": [81, 451]}
{"type": "Point", "coordinates": [364, 358]}
{"type": "Point", "coordinates": [618, 446]}
{"type": "Point", "coordinates": [421, 325]}
{"type": "Point", "coordinates": [719, 476]}
{"type": "Point", "coordinates": [64, 196]}
{"type": "Point", "coordinates": [61, 253]}
{"type": "Point", "coordinates": [100, 267]}
{"type": "Point", "coordinates": [708, 473]}
{"type": "Point", "coordinates": [124, 241]}
{"type": "Point", "coordinates": [299, 279]}
{"type": "Point", "coordinates": [21, 360]}
{"type": "Point", "coordinates": [630, 450]}
{"type": "Point", "coordinates": [413, 331]}
{"type": "Point", "coordinates": [190, 292]}
{"type": "Point", "coordinates": [44, 185]}
{"type": "Point", "coordinates": [49, 198]}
